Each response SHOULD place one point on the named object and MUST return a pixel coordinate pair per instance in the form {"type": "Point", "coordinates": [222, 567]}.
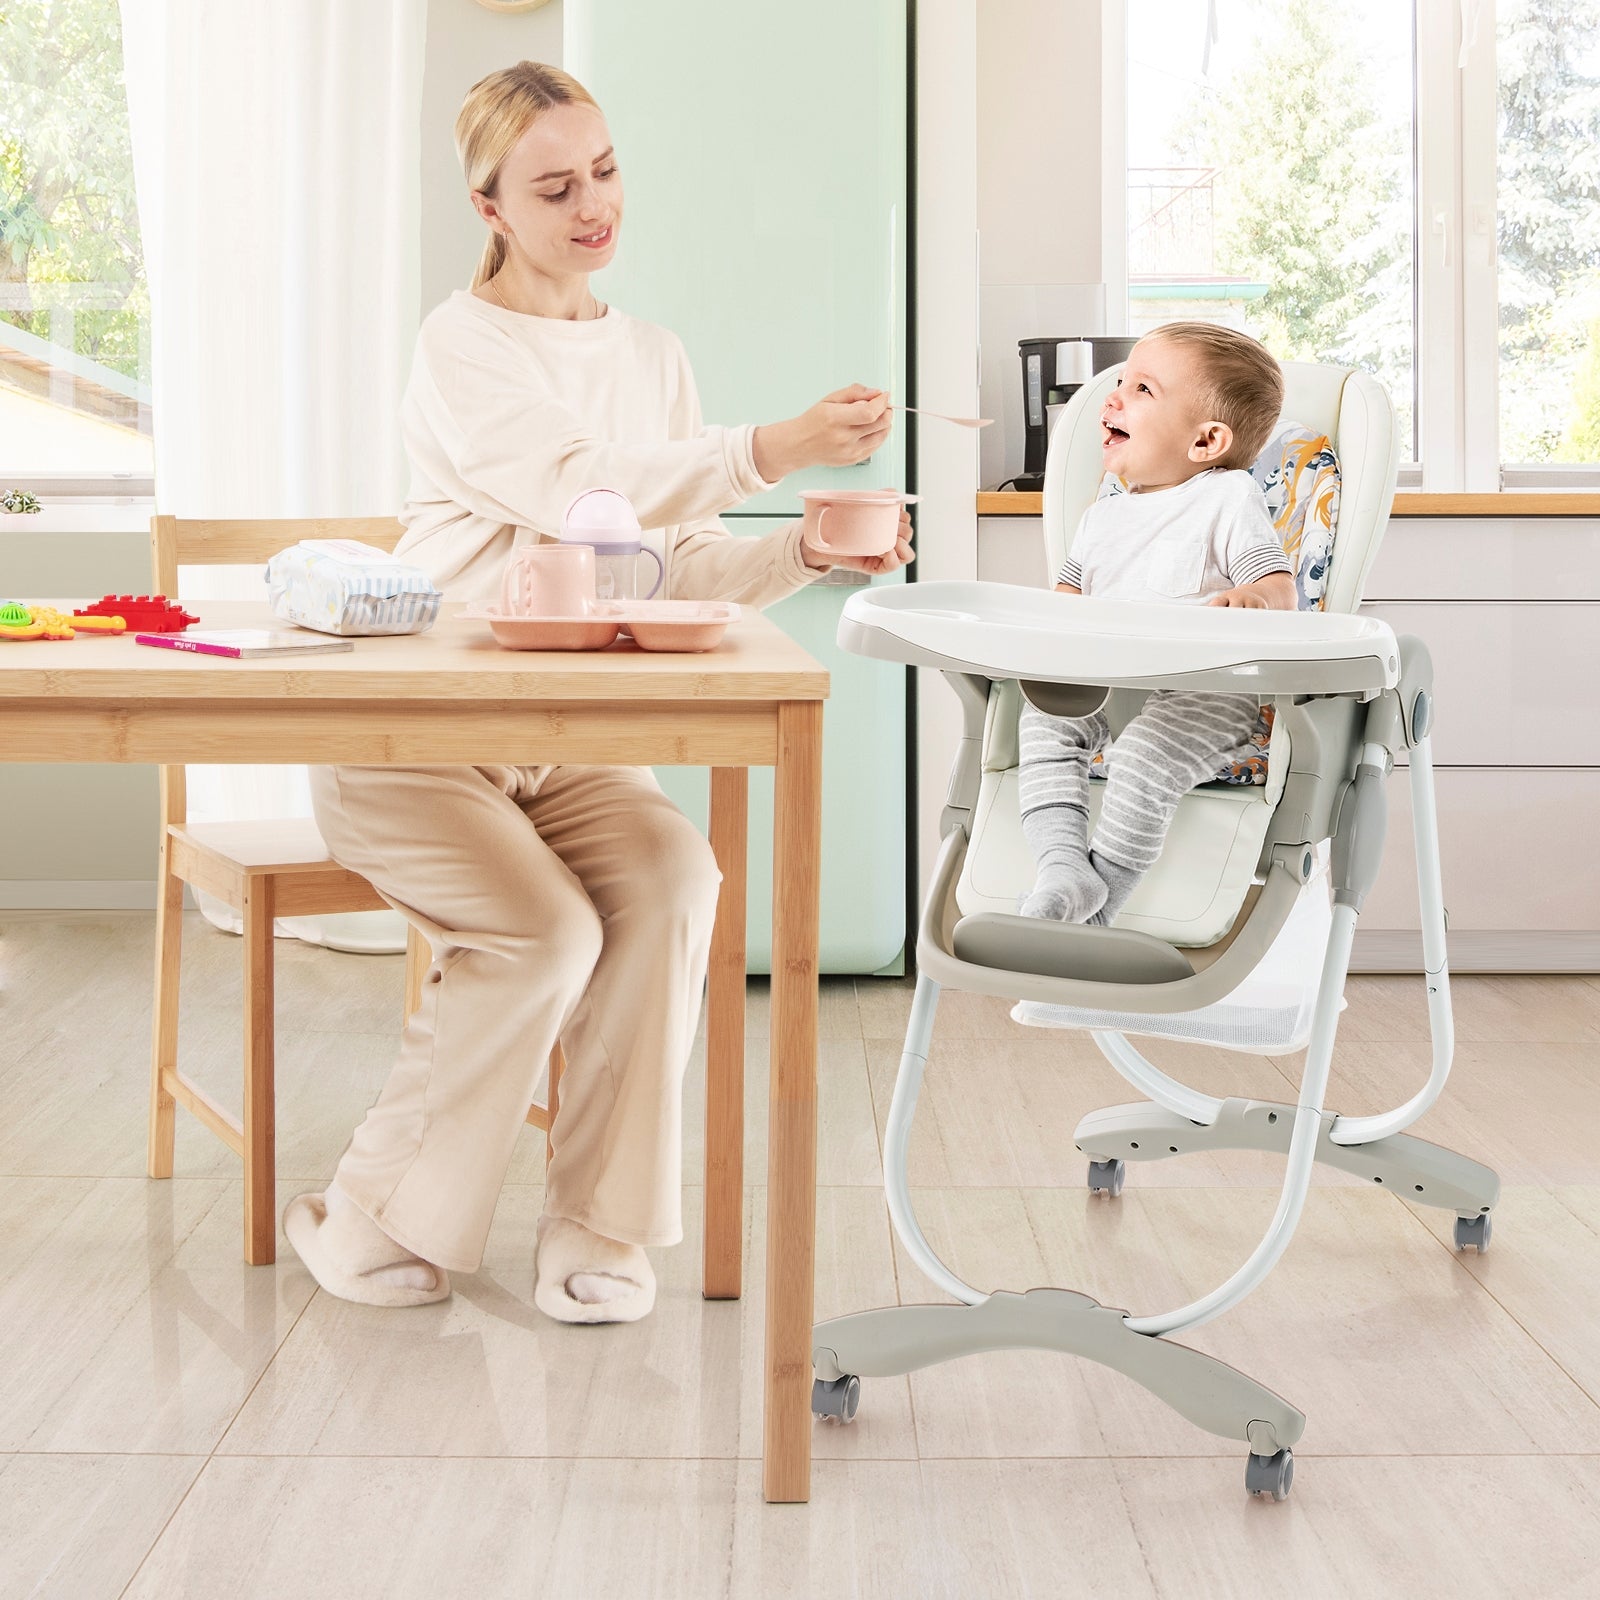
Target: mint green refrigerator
{"type": "Point", "coordinates": [763, 152]}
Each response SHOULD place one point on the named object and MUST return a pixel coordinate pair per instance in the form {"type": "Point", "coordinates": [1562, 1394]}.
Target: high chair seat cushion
{"type": "Point", "coordinates": [1206, 867]}
{"type": "Point", "coordinates": [1189, 898]}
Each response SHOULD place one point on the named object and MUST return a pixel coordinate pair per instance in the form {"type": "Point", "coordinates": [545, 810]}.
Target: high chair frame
{"type": "Point", "coordinates": [262, 870]}
{"type": "Point", "coordinates": [1349, 698]}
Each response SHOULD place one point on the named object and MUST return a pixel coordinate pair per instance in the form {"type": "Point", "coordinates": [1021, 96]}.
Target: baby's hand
{"type": "Point", "coordinates": [1245, 595]}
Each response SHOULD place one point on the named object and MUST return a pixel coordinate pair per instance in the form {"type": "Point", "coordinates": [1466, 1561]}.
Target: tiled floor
{"type": "Point", "coordinates": [174, 1423]}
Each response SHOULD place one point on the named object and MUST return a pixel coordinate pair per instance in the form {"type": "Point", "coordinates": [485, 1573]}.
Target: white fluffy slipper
{"type": "Point", "coordinates": [352, 1257]}
{"type": "Point", "coordinates": [578, 1276]}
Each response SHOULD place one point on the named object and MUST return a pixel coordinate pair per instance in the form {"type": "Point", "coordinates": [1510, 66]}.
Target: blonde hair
{"type": "Point", "coordinates": [1241, 383]}
{"type": "Point", "coordinates": [497, 111]}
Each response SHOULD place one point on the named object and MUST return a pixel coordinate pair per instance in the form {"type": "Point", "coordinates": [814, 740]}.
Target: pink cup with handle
{"type": "Point", "coordinates": [549, 580]}
{"type": "Point", "coordinates": [853, 522]}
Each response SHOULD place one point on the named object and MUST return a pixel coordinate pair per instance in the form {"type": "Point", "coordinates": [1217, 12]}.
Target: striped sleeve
{"type": "Point", "coordinates": [1072, 568]}
{"type": "Point", "coordinates": [1260, 561]}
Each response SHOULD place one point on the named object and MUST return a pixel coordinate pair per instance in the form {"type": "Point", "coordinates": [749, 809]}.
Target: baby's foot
{"type": "Point", "coordinates": [581, 1276]}
{"type": "Point", "coordinates": [1069, 891]}
{"type": "Point", "coordinates": [1119, 882]}
{"type": "Point", "coordinates": [352, 1257]}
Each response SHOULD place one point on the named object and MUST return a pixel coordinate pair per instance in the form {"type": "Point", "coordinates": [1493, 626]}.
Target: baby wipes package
{"type": "Point", "coordinates": [343, 586]}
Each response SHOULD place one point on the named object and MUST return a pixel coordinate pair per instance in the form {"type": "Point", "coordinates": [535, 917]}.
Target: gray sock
{"type": "Point", "coordinates": [1067, 889]}
{"type": "Point", "coordinates": [1119, 881]}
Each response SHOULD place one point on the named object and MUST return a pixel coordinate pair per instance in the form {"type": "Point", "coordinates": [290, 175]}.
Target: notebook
{"type": "Point", "coordinates": [245, 644]}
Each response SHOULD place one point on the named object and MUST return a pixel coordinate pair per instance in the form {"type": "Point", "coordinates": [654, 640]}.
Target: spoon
{"type": "Point", "coordinates": [960, 422]}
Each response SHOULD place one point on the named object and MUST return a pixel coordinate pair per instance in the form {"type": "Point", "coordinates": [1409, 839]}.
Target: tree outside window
{"type": "Point", "coordinates": [1300, 123]}
{"type": "Point", "coordinates": [1547, 55]}
{"type": "Point", "coordinates": [1303, 127]}
{"type": "Point", "coordinates": [74, 303]}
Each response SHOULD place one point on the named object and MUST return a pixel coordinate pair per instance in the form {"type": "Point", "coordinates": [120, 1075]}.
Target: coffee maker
{"type": "Point", "coordinates": [1053, 370]}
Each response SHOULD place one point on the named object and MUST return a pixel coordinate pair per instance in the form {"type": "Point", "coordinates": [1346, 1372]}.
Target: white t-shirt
{"type": "Point", "coordinates": [508, 417]}
{"type": "Point", "coordinates": [1175, 546]}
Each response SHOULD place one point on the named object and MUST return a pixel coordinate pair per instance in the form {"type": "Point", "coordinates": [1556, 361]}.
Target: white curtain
{"type": "Point", "coordinates": [277, 158]}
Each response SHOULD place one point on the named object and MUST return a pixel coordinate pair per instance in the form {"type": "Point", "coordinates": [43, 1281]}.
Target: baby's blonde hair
{"type": "Point", "coordinates": [497, 111]}
{"type": "Point", "coordinates": [1241, 384]}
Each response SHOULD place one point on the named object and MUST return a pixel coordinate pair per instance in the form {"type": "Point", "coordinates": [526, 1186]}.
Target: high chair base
{"type": "Point", "coordinates": [899, 1339]}
{"type": "Point", "coordinates": [1410, 1167]}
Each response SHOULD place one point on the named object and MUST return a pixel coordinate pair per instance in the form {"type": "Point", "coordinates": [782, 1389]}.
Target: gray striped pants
{"type": "Point", "coordinates": [1178, 739]}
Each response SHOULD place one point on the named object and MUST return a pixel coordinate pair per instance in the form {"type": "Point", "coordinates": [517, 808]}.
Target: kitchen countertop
{"type": "Point", "coordinates": [1546, 503]}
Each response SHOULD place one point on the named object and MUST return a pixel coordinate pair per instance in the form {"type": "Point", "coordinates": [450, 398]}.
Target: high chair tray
{"type": "Point", "coordinates": [1002, 630]}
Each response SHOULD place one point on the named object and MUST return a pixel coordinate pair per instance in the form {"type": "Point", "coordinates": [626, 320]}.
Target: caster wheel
{"type": "Point", "coordinates": [1474, 1230]}
{"type": "Point", "coordinates": [1107, 1177]}
{"type": "Point", "coordinates": [1273, 1475]}
{"type": "Point", "coordinates": [836, 1400]}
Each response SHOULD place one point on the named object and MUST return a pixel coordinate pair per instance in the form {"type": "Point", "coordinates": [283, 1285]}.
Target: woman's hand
{"type": "Point", "coordinates": [900, 556]}
{"type": "Point", "coordinates": [840, 430]}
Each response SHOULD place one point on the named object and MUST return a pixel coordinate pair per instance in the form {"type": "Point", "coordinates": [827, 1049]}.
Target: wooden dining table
{"type": "Point", "coordinates": [453, 696]}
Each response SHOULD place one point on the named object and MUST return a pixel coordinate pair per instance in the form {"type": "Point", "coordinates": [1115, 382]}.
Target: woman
{"type": "Point", "coordinates": [570, 902]}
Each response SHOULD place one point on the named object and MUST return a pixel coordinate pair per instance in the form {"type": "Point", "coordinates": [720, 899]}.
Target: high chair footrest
{"type": "Point", "coordinates": [1067, 950]}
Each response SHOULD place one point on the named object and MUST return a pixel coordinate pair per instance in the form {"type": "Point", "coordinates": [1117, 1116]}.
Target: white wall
{"type": "Point", "coordinates": [1010, 245]}
{"type": "Point", "coordinates": [1040, 111]}
{"type": "Point", "coordinates": [465, 43]}
{"type": "Point", "coordinates": [77, 836]}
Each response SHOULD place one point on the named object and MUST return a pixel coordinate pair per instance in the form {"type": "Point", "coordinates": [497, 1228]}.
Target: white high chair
{"type": "Point", "coordinates": [1348, 697]}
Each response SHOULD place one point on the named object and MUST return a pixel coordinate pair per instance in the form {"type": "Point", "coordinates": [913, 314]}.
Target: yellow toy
{"type": "Point", "coordinates": [45, 622]}
{"type": "Point", "coordinates": [80, 624]}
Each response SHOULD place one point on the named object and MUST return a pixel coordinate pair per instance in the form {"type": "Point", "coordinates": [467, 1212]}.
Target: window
{"type": "Point", "coordinates": [1270, 178]}
{"type": "Point", "coordinates": [1547, 72]}
{"type": "Point", "coordinates": [74, 303]}
{"type": "Point", "coordinates": [1413, 189]}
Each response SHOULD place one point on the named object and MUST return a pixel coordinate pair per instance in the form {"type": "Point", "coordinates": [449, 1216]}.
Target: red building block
{"type": "Point", "coordinates": [148, 613]}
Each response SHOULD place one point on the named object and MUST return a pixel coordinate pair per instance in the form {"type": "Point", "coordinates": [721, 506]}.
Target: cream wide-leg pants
{"type": "Point", "coordinates": [570, 903]}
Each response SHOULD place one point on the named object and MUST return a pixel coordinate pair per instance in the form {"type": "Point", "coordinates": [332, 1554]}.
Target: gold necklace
{"type": "Point", "coordinates": [596, 310]}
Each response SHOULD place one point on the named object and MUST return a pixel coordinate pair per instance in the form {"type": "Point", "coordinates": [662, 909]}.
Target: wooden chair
{"type": "Point", "coordinates": [263, 870]}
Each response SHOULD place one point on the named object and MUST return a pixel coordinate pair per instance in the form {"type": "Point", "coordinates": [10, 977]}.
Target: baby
{"type": "Point", "coordinates": [1193, 408]}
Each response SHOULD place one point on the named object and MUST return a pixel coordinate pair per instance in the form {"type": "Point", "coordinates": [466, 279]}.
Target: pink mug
{"type": "Point", "coordinates": [549, 580]}
{"type": "Point", "coordinates": [853, 522]}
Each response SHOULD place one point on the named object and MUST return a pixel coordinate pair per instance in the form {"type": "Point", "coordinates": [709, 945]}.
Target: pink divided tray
{"type": "Point", "coordinates": [681, 625]}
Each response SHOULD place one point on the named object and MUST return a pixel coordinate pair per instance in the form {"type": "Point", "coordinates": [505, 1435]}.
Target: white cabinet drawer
{"type": "Point", "coordinates": [1516, 850]}
{"type": "Point", "coordinates": [1011, 550]}
{"type": "Point", "coordinates": [1516, 683]}
{"type": "Point", "coordinates": [1487, 558]}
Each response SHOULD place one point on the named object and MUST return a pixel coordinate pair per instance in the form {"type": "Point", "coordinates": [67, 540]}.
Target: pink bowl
{"type": "Point", "coordinates": [853, 522]}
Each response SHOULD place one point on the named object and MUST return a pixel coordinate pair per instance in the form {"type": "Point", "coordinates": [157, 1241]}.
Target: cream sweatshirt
{"type": "Point", "coordinates": [507, 417]}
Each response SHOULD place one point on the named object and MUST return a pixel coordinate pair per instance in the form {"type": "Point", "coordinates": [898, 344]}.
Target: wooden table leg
{"type": "Point", "coordinates": [725, 990]}
{"type": "Point", "coordinates": [792, 1129]}
{"type": "Point", "coordinates": [260, 1100]}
